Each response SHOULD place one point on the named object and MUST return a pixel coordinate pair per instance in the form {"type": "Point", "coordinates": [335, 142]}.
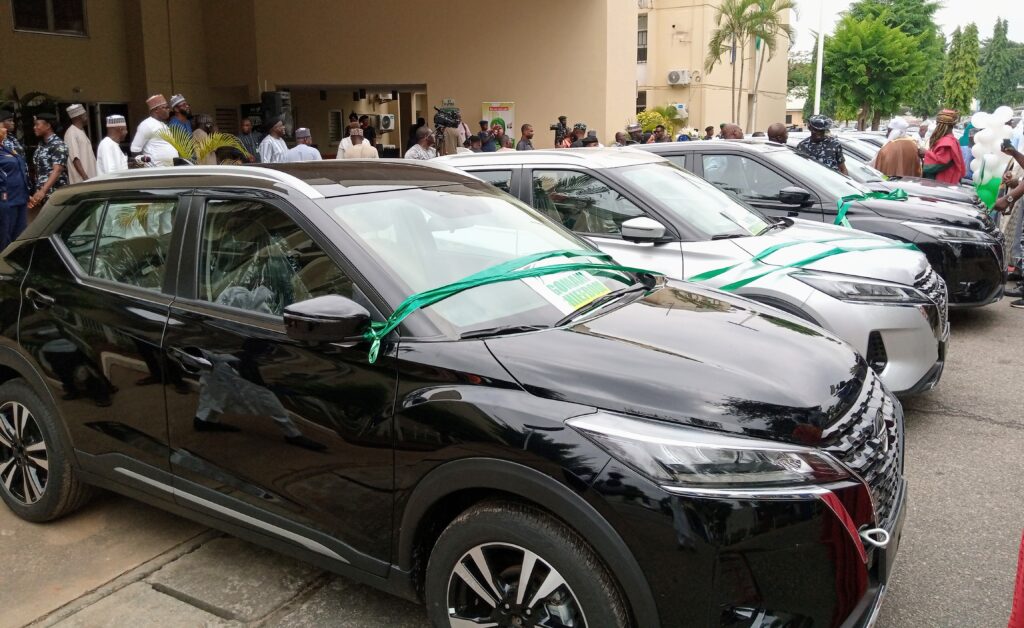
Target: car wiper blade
{"type": "Point", "coordinates": [728, 236]}
{"type": "Point", "coordinates": [600, 301]}
{"type": "Point", "coordinates": [500, 330]}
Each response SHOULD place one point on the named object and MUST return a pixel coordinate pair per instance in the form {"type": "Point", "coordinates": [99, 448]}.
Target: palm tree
{"type": "Point", "coordinates": [188, 148]}
{"type": "Point", "coordinates": [732, 32]}
{"type": "Point", "coordinates": [672, 118]}
{"type": "Point", "coordinates": [767, 25]}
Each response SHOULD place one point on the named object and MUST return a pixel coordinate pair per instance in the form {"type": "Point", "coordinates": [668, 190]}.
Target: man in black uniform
{"type": "Point", "coordinates": [822, 147]}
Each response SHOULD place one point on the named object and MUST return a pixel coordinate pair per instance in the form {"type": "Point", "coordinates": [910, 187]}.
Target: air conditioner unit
{"type": "Point", "coordinates": [387, 122]}
{"type": "Point", "coordinates": [678, 77]}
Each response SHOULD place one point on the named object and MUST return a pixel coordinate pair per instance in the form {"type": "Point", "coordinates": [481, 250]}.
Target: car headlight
{"type": "Point", "coordinates": [676, 456]}
{"type": "Point", "coordinates": [857, 289]}
{"type": "Point", "coordinates": [943, 232]}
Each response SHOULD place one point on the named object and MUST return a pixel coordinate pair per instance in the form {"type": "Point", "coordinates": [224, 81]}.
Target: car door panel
{"type": "Point", "coordinates": [98, 340]}
{"type": "Point", "coordinates": [756, 183]}
{"type": "Point", "coordinates": [299, 434]}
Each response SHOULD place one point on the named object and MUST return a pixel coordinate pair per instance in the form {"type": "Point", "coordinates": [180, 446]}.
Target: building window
{"type": "Point", "coordinates": [334, 126]}
{"type": "Point", "coordinates": [641, 101]}
{"type": "Point", "coordinates": [789, 118]}
{"type": "Point", "coordinates": [61, 17]}
{"type": "Point", "coordinates": [641, 38]}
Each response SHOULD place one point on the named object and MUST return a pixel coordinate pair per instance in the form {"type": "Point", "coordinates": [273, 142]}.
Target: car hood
{"type": "Point", "coordinates": [897, 265]}
{"type": "Point", "coordinates": [931, 191]}
{"type": "Point", "coordinates": [697, 357]}
{"type": "Point", "coordinates": [928, 210]}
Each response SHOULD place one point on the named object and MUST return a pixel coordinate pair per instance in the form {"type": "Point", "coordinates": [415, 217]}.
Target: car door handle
{"type": "Point", "coordinates": [38, 299]}
{"type": "Point", "coordinates": [793, 214]}
{"type": "Point", "coordinates": [191, 363]}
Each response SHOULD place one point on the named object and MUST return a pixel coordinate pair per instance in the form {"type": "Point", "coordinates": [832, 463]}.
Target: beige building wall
{"type": "Point", "coordinates": [678, 36]}
{"type": "Point", "coordinates": [584, 73]}
{"type": "Point", "coordinates": [223, 53]}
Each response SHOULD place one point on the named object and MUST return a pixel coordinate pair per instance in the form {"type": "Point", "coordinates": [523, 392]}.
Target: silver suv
{"type": "Point", "coordinates": [879, 295]}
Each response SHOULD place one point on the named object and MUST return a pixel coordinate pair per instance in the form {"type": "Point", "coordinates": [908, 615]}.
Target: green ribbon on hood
{"type": "Point", "coordinates": [511, 270]}
{"type": "Point", "coordinates": [758, 259]}
{"type": "Point", "coordinates": [843, 204]}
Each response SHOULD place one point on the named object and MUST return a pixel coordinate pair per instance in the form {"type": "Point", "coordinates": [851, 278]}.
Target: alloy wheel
{"type": "Point", "coordinates": [24, 466]}
{"type": "Point", "coordinates": [498, 584]}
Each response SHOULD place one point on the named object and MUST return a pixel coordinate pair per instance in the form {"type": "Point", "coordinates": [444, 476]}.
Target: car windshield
{"type": "Point", "coordinates": [834, 183]}
{"type": "Point", "coordinates": [702, 206]}
{"type": "Point", "coordinates": [430, 237]}
{"type": "Point", "coordinates": [861, 172]}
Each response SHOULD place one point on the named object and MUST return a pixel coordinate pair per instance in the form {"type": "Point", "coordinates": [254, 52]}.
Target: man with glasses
{"type": "Point", "coordinates": [148, 141]}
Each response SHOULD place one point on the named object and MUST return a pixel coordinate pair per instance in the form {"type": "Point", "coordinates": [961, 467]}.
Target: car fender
{"type": "Point", "coordinates": [560, 500]}
{"type": "Point", "coordinates": [15, 359]}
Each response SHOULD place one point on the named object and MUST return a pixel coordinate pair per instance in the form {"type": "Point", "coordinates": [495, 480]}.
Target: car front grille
{"type": "Point", "coordinates": [934, 288]}
{"type": "Point", "coordinates": [869, 439]}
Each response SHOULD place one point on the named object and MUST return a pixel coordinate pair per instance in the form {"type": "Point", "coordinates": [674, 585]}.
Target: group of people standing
{"type": "Point", "coordinates": [938, 156]}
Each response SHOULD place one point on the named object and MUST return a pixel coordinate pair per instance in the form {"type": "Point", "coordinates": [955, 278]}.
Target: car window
{"type": "Point", "coordinates": [501, 179]}
{"type": "Point", "coordinates": [254, 257]}
{"type": "Point", "coordinates": [125, 241]}
{"type": "Point", "coordinates": [744, 177]}
{"type": "Point", "coordinates": [679, 160]}
{"type": "Point", "coordinates": [581, 202]}
{"type": "Point", "coordinates": [703, 208]}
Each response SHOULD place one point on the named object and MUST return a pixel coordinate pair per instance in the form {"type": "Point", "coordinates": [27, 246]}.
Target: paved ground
{"type": "Point", "coordinates": [119, 563]}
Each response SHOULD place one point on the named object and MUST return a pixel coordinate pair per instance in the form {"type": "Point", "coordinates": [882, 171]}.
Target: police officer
{"type": "Point", "coordinates": [50, 160]}
{"type": "Point", "coordinates": [13, 185]}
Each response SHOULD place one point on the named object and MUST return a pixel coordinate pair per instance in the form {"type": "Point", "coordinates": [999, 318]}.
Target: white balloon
{"type": "Point", "coordinates": [1004, 133]}
{"type": "Point", "coordinates": [985, 137]}
{"type": "Point", "coordinates": [978, 151]}
{"type": "Point", "coordinates": [1002, 115]}
{"type": "Point", "coordinates": [975, 167]}
{"type": "Point", "coordinates": [980, 120]}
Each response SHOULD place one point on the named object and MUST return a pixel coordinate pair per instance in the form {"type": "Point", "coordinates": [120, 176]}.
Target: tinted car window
{"type": "Point", "coordinates": [581, 202]}
{"type": "Point", "coordinates": [123, 241]}
{"type": "Point", "coordinates": [254, 257]}
{"type": "Point", "coordinates": [744, 177]}
{"type": "Point", "coordinates": [500, 179]}
{"type": "Point", "coordinates": [679, 160]}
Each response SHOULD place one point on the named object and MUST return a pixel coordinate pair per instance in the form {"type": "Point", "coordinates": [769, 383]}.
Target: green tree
{"type": "Point", "coordinates": [960, 82]}
{"type": "Point", "coordinates": [801, 71]}
{"type": "Point", "coordinates": [670, 118]}
{"type": "Point", "coordinates": [732, 32]}
{"type": "Point", "coordinates": [1000, 70]}
{"type": "Point", "coordinates": [766, 24]}
{"type": "Point", "coordinates": [916, 18]}
{"type": "Point", "coordinates": [871, 66]}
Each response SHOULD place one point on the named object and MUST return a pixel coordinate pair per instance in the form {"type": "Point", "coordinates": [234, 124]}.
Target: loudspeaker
{"type": "Point", "coordinates": [394, 94]}
{"type": "Point", "coordinates": [276, 104]}
{"type": "Point", "coordinates": [362, 94]}
{"type": "Point", "coordinates": [323, 94]}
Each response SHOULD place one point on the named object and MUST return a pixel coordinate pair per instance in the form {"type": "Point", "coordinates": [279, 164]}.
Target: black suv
{"type": "Point", "coordinates": [962, 243]}
{"type": "Point", "coordinates": [597, 447]}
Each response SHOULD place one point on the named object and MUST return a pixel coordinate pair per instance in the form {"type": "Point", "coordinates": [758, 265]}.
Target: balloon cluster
{"type": "Point", "coordinates": [989, 160]}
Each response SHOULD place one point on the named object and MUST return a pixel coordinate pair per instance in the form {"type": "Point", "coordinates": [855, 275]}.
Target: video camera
{"type": "Point", "coordinates": [561, 129]}
{"type": "Point", "coordinates": [446, 118]}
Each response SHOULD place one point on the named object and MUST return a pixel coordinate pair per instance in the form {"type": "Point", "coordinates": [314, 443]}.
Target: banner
{"type": "Point", "coordinates": [503, 112]}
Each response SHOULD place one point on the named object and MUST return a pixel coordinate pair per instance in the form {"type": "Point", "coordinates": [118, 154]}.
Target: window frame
{"type": "Point", "coordinates": [742, 196]}
{"type": "Point", "coordinates": [50, 19]}
{"type": "Point", "coordinates": [187, 289]}
{"type": "Point", "coordinates": [642, 37]}
{"type": "Point", "coordinates": [645, 208]}
{"type": "Point", "coordinates": [177, 195]}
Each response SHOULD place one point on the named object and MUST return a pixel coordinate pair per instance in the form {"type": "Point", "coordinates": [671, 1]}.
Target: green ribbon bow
{"type": "Point", "coordinates": [843, 204]}
{"type": "Point", "coordinates": [758, 259]}
{"type": "Point", "coordinates": [511, 270]}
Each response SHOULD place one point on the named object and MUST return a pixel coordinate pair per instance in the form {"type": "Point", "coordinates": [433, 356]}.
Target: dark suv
{"type": "Point", "coordinates": [962, 243]}
{"type": "Point", "coordinates": [596, 447]}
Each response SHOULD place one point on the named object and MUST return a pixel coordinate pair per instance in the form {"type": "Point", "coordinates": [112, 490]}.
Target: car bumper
{"type": "Point", "coordinates": [975, 272]}
{"type": "Point", "coordinates": [913, 338]}
{"type": "Point", "coordinates": [742, 562]}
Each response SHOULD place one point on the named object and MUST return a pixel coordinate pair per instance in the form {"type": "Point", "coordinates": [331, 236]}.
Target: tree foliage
{"type": "Point", "coordinates": [801, 71]}
{"type": "Point", "coordinates": [648, 119]}
{"type": "Point", "coordinates": [766, 25]}
{"type": "Point", "coordinates": [871, 67]}
{"type": "Point", "coordinates": [1000, 70]}
{"type": "Point", "coordinates": [960, 81]}
{"type": "Point", "coordinates": [915, 18]}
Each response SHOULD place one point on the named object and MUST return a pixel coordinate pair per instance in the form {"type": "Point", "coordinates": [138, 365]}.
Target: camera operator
{"type": "Point", "coordinates": [561, 130]}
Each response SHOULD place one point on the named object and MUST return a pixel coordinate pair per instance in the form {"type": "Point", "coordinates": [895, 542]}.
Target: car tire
{"type": "Point", "coordinates": [498, 535]}
{"type": "Point", "coordinates": [37, 481]}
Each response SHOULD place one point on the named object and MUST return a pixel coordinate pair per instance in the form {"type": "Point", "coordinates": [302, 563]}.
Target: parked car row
{"type": "Point", "coordinates": [503, 403]}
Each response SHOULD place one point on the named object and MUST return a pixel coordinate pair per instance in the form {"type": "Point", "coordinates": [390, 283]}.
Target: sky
{"type": "Point", "coordinates": [952, 14]}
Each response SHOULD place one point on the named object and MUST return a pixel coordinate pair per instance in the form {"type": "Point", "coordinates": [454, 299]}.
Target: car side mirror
{"type": "Point", "coordinates": [794, 196]}
{"type": "Point", "coordinates": [642, 229]}
{"type": "Point", "coordinates": [329, 318]}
